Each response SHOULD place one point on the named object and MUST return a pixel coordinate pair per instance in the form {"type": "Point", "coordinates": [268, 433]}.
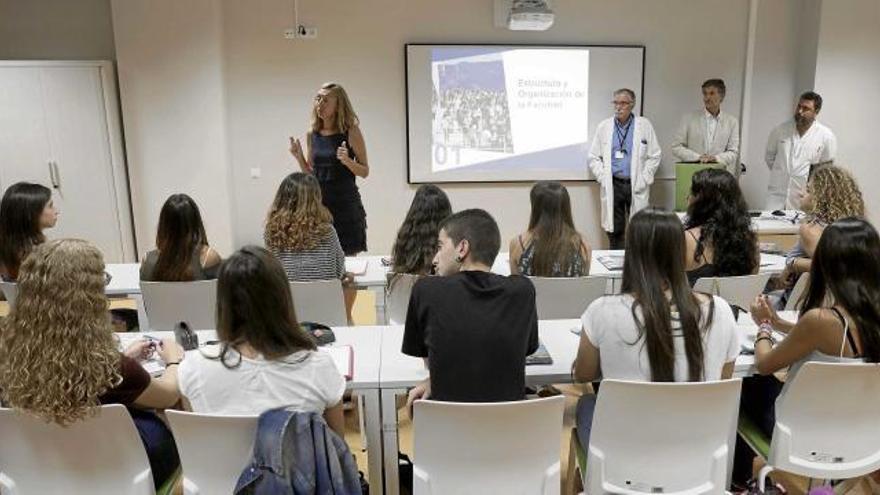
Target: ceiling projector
{"type": "Point", "coordinates": [530, 15]}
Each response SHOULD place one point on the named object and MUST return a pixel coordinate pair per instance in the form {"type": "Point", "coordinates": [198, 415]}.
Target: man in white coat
{"type": "Point", "coordinates": [794, 148]}
{"type": "Point", "coordinates": [624, 154]}
{"type": "Point", "coordinates": [709, 135]}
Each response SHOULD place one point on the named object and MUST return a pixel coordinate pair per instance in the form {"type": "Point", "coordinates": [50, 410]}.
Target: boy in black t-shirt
{"type": "Point", "coordinates": [473, 327]}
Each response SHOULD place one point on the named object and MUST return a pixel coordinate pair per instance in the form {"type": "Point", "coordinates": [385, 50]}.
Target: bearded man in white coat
{"type": "Point", "coordinates": [624, 155]}
{"type": "Point", "coordinates": [794, 149]}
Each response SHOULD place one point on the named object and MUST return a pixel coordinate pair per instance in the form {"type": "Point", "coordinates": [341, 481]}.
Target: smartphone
{"type": "Point", "coordinates": [184, 336]}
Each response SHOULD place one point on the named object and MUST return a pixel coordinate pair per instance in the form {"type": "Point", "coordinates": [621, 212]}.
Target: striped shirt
{"type": "Point", "coordinates": [325, 261]}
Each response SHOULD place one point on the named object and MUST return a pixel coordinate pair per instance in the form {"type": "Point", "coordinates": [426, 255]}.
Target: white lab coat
{"type": "Point", "coordinates": [690, 140]}
{"type": "Point", "coordinates": [789, 156]}
{"type": "Point", "coordinates": [644, 163]}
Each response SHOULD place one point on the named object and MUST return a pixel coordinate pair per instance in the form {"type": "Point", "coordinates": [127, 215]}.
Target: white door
{"type": "Point", "coordinates": [24, 138]}
{"type": "Point", "coordinates": [59, 136]}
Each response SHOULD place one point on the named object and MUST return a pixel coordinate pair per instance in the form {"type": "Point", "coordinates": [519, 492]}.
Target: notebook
{"type": "Point", "coordinates": [356, 266]}
{"type": "Point", "coordinates": [613, 262]}
{"type": "Point", "coordinates": [343, 357]}
{"type": "Point", "coordinates": [541, 356]}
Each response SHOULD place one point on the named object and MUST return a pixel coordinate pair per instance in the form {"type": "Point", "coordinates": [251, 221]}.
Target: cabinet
{"type": "Point", "coordinates": [60, 127]}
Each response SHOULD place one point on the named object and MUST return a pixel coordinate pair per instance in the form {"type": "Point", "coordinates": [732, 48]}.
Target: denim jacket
{"type": "Point", "coordinates": [297, 453]}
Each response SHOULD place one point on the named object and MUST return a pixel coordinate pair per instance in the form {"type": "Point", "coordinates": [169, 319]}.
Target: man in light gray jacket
{"type": "Point", "coordinates": [709, 135]}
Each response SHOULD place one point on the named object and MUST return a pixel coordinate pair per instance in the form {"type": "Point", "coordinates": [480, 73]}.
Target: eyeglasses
{"type": "Point", "coordinates": [621, 103]}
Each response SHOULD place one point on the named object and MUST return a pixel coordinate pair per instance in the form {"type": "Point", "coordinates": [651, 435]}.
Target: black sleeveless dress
{"type": "Point", "coordinates": [340, 192]}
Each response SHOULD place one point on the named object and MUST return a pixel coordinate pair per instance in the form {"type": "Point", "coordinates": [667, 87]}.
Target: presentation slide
{"type": "Point", "coordinates": [508, 113]}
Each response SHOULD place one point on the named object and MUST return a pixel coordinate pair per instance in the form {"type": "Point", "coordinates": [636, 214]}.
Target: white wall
{"type": "Point", "coordinates": [270, 83]}
{"type": "Point", "coordinates": [56, 29]}
{"type": "Point", "coordinates": [170, 65]}
{"type": "Point", "coordinates": [847, 77]}
{"type": "Point", "coordinates": [211, 89]}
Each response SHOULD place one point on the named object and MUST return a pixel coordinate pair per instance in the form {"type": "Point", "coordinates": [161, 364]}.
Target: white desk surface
{"type": "Point", "coordinates": [770, 224]}
{"type": "Point", "coordinates": [365, 341]}
{"type": "Point", "coordinates": [402, 371]}
{"type": "Point", "coordinates": [126, 276]}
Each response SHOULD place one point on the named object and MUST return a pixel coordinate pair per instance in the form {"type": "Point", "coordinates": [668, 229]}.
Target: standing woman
{"type": "Point", "coordinates": [25, 211]}
{"type": "Point", "coordinates": [336, 154]}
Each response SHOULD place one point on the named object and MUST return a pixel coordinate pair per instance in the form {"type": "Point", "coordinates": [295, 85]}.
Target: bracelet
{"type": "Point", "coordinates": [765, 337]}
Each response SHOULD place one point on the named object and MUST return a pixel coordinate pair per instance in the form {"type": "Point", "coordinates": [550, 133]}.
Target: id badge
{"type": "Point", "coordinates": [619, 154]}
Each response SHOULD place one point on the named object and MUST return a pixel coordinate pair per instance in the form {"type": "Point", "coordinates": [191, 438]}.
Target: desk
{"type": "Point", "coordinates": [366, 342]}
{"type": "Point", "coordinates": [779, 230]}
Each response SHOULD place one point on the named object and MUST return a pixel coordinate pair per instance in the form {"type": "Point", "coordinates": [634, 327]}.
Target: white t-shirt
{"type": "Point", "coordinates": [610, 327]}
{"type": "Point", "coordinates": [306, 381]}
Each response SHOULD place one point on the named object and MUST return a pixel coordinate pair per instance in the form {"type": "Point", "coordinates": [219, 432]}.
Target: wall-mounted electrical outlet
{"type": "Point", "coordinates": [301, 32]}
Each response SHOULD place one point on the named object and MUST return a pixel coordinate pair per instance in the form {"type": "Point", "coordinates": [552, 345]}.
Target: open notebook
{"type": "Point", "coordinates": [612, 262]}
{"type": "Point", "coordinates": [356, 266]}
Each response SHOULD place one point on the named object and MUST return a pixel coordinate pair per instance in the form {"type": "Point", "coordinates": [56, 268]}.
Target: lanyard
{"type": "Point", "coordinates": [621, 135]}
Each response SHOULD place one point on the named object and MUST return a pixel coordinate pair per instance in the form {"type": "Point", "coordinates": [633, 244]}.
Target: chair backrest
{"type": "Point", "coordinates": [397, 297]}
{"type": "Point", "coordinates": [662, 437]}
{"type": "Point", "coordinates": [10, 291]}
{"type": "Point", "coordinates": [797, 291]}
{"type": "Point", "coordinates": [102, 454]}
{"type": "Point", "coordinates": [559, 297]}
{"type": "Point", "coordinates": [169, 303]}
{"type": "Point", "coordinates": [319, 301]}
{"type": "Point", "coordinates": [502, 447]}
{"type": "Point", "coordinates": [833, 434]}
{"type": "Point", "coordinates": [737, 291]}
{"type": "Point", "coordinates": [213, 449]}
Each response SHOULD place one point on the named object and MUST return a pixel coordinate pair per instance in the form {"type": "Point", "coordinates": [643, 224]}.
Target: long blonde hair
{"type": "Point", "coordinates": [346, 118]}
{"type": "Point", "coordinates": [835, 195]}
{"type": "Point", "coordinates": [297, 221]}
{"type": "Point", "coordinates": [57, 352]}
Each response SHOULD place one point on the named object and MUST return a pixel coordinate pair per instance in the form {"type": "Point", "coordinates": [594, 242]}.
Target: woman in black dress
{"type": "Point", "coordinates": [336, 154]}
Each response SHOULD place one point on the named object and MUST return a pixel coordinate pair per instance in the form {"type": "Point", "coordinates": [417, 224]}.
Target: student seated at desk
{"type": "Point", "coordinates": [26, 210]}
{"type": "Point", "coordinates": [59, 358]}
{"type": "Point", "coordinates": [551, 247]}
{"type": "Point", "coordinates": [300, 233]}
{"type": "Point", "coordinates": [416, 244]}
{"type": "Point", "coordinates": [839, 321]}
{"type": "Point", "coordinates": [832, 193]}
{"type": "Point", "coordinates": [182, 252]}
{"type": "Point", "coordinates": [473, 327]}
{"type": "Point", "coordinates": [657, 329]}
{"type": "Point", "coordinates": [264, 359]}
{"type": "Point", "coordinates": [720, 241]}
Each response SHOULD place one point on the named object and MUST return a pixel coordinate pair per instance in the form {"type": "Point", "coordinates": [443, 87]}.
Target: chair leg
{"type": "Point", "coordinates": [362, 422]}
{"type": "Point", "coordinates": [762, 477]}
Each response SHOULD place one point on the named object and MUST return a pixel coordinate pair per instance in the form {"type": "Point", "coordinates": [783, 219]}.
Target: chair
{"type": "Point", "coordinates": [559, 297]}
{"type": "Point", "coordinates": [797, 291]}
{"type": "Point", "coordinates": [397, 295]}
{"type": "Point", "coordinates": [502, 447]}
{"type": "Point", "coordinates": [213, 449]}
{"type": "Point", "coordinates": [102, 454]}
{"type": "Point", "coordinates": [320, 301]}
{"type": "Point", "coordinates": [737, 291]}
{"type": "Point", "coordinates": [662, 437]}
{"type": "Point", "coordinates": [833, 435]}
{"type": "Point", "coordinates": [169, 303]}
{"type": "Point", "coordinates": [10, 292]}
